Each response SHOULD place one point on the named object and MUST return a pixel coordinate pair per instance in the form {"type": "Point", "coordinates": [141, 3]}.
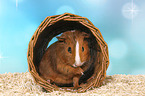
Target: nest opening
{"type": "Point", "coordinates": [49, 32]}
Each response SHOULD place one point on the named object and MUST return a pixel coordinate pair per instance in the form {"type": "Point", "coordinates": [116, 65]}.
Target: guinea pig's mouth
{"type": "Point", "coordinates": [78, 65]}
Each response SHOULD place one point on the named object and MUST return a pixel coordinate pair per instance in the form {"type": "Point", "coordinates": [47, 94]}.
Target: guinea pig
{"type": "Point", "coordinates": [66, 60]}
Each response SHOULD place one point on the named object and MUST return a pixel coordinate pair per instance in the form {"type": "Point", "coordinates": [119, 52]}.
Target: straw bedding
{"type": "Point", "coordinates": [17, 84]}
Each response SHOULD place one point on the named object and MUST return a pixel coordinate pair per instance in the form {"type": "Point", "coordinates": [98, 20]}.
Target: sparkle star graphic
{"type": "Point", "coordinates": [130, 10]}
{"type": "Point", "coordinates": [1, 57]}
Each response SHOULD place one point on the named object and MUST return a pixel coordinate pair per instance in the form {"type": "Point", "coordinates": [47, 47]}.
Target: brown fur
{"type": "Point", "coordinates": [57, 63]}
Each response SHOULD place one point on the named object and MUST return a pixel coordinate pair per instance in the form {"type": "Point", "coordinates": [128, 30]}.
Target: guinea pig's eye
{"type": "Point", "coordinates": [69, 49]}
{"type": "Point", "coordinates": [82, 49]}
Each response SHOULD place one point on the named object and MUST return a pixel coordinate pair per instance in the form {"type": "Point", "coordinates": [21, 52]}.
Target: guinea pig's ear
{"type": "Point", "coordinates": [86, 35]}
{"type": "Point", "coordinates": [60, 38]}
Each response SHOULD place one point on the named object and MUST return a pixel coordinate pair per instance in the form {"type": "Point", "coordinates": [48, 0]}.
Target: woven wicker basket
{"type": "Point", "coordinates": [54, 25]}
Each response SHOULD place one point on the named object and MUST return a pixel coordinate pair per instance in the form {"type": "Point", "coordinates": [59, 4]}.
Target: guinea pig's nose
{"type": "Point", "coordinates": [74, 65]}
{"type": "Point", "coordinates": [77, 64]}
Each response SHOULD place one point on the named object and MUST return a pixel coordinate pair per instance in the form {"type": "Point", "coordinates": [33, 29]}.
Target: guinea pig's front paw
{"type": "Point", "coordinates": [49, 81]}
{"type": "Point", "coordinates": [79, 71]}
{"type": "Point", "coordinates": [76, 86]}
{"type": "Point", "coordinates": [76, 82]}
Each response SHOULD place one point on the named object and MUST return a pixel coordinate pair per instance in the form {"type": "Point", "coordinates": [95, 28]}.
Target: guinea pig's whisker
{"type": "Point", "coordinates": [83, 62]}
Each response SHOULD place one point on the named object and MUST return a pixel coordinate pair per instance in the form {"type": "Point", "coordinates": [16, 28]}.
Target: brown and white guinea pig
{"type": "Point", "coordinates": [66, 60]}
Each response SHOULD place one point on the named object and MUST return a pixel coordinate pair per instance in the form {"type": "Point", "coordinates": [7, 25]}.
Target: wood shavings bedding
{"type": "Point", "coordinates": [18, 84]}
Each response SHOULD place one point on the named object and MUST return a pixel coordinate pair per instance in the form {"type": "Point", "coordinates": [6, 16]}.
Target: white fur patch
{"type": "Point", "coordinates": [77, 57]}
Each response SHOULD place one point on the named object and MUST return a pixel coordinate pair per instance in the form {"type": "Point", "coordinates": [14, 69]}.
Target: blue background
{"type": "Point", "coordinates": [121, 22]}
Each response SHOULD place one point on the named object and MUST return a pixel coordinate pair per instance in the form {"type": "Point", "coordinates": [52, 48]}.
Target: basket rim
{"type": "Point", "coordinates": [50, 21]}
